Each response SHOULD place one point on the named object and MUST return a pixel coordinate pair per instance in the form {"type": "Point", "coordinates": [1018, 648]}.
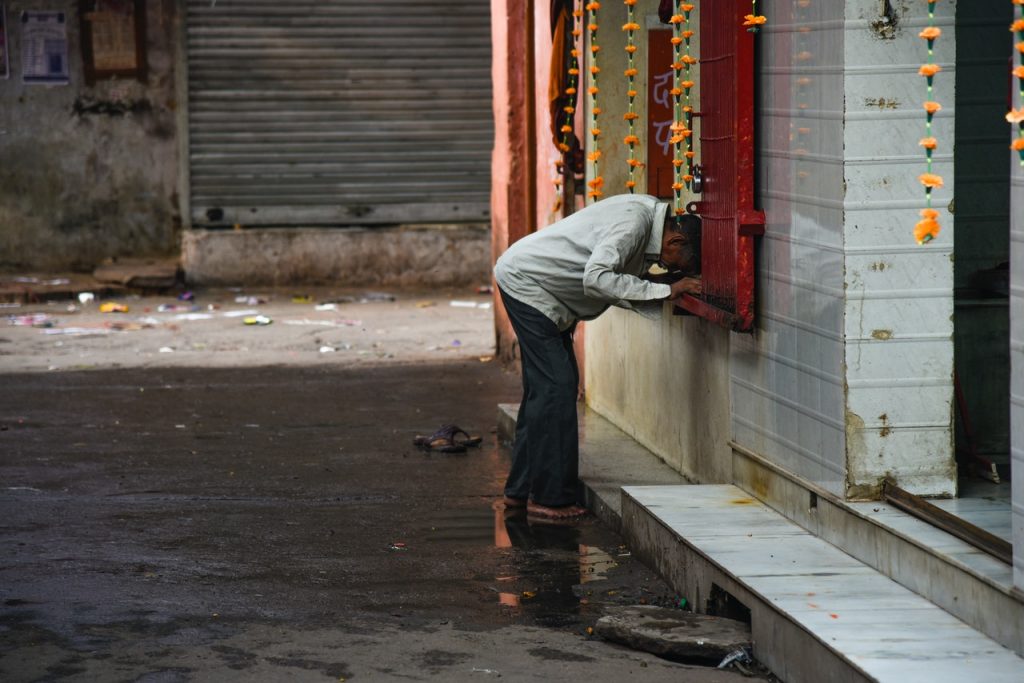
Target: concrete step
{"type": "Point", "coordinates": [609, 460]}
{"type": "Point", "coordinates": [816, 613]}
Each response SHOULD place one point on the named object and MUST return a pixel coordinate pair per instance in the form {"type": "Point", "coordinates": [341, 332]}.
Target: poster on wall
{"type": "Point", "coordinates": [113, 39]}
{"type": "Point", "coordinates": [44, 47]}
{"type": "Point", "coordinates": [5, 69]}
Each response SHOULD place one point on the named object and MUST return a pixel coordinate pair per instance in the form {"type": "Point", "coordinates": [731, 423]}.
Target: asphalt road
{"type": "Point", "coordinates": [275, 523]}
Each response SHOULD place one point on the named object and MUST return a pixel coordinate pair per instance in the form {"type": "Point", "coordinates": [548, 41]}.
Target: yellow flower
{"type": "Point", "coordinates": [932, 107]}
{"type": "Point", "coordinates": [930, 33]}
{"type": "Point", "coordinates": [631, 26]}
{"type": "Point", "coordinates": [929, 70]}
{"type": "Point", "coordinates": [1015, 115]}
{"type": "Point", "coordinates": [754, 20]}
{"type": "Point", "coordinates": [929, 143]}
{"type": "Point", "coordinates": [930, 180]}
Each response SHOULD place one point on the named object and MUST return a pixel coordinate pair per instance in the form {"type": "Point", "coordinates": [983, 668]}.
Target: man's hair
{"type": "Point", "coordinates": [689, 226]}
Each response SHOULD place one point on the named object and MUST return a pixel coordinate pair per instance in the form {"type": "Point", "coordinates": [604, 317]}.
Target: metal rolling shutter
{"type": "Point", "coordinates": [339, 112]}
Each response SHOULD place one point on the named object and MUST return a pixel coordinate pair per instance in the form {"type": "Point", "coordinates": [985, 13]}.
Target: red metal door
{"type": "Point", "coordinates": [725, 126]}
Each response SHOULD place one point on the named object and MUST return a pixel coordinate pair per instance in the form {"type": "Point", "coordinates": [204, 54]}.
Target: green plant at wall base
{"type": "Point", "coordinates": [928, 227]}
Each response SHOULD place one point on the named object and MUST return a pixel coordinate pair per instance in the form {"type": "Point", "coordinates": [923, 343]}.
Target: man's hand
{"type": "Point", "coordinates": [688, 285]}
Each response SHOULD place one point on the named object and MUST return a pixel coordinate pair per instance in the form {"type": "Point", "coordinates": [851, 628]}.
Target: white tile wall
{"type": "Point", "coordinates": [1017, 363]}
{"type": "Point", "coordinates": [787, 379]}
{"type": "Point", "coordinates": [899, 303]}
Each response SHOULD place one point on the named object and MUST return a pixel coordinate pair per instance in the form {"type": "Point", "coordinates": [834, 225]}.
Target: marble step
{"type": "Point", "coordinates": [817, 614]}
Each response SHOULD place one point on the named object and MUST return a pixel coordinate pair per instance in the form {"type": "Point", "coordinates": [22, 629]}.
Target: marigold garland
{"type": "Point", "coordinates": [754, 20]}
{"type": "Point", "coordinates": [596, 182]}
{"type": "Point", "coordinates": [1016, 116]}
{"type": "Point", "coordinates": [631, 140]}
{"type": "Point", "coordinates": [928, 227]}
{"type": "Point", "coordinates": [682, 115]}
{"type": "Point", "coordinates": [572, 84]}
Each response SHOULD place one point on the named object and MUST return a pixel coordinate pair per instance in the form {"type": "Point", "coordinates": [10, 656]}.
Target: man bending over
{"type": "Point", "coordinates": [571, 271]}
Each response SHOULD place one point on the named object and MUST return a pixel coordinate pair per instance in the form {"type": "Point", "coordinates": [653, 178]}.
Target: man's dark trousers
{"type": "Point", "coordinates": [545, 458]}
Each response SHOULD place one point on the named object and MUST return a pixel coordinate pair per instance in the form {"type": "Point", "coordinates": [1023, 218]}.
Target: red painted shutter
{"type": "Point", "coordinates": [725, 125]}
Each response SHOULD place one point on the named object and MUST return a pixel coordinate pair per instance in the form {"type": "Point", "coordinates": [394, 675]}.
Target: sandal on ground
{"type": "Point", "coordinates": [448, 438]}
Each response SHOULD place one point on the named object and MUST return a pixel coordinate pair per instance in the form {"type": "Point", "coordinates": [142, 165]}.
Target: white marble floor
{"type": "Point", "coordinates": [884, 629]}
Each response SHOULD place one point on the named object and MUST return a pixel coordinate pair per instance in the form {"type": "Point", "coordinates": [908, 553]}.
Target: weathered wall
{"type": "Point", "coordinates": [664, 382]}
{"type": "Point", "coordinates": [399, 257]}
{"type": "Point", "coordinates": [899, 296]}
{"type": "Point", "coordinates": [76, 188]}
{"type": "Point", "coordinates": [787, 378]}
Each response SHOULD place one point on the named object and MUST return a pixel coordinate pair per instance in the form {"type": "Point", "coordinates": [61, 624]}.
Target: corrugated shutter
{"type": "Point", "coordinates": [339, 111]}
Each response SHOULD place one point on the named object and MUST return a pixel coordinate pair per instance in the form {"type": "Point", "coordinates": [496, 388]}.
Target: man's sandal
{"type": "Point", "coordinates": [449, 438]}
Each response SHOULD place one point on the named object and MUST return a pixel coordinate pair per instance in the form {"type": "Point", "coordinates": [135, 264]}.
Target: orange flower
{"type": "Point", "coordinates": [630, 140]}
{"type": "Point", "coordinates": [688, 178]}
{"type": "Point", "coordinates": [676, 139]}
{"type": "Point", "coordinates": [595, 132]}
{"type": "Point", "coordinates": [566, 129]}
{"type": "Point", "coordinates": [596, 183]}
{"type": "Point", "coordinates": [687, 34]}
{"type": "Point", "coordinates": [754, 20]}
{"type": "Point", "coordinates": [631, 72]}
{"type": "Point", "coordinates": [687, 109]}
{"type": "Point", "coordinates": [562, 146]}
{"type": "Point", "coordinates": [930, 33]}
{"type": "Point", "coordinates": [1017, 145]}
{"type": "Point", "coordinates": [1018, 71]}
{"type": "Point", "coordinates": [635, 163]}
{"type": "Point", "coordinates": [676, 19]}
{"type": "Point", "coordinates": [1015, 116]}
{"type": "Point", "coordinates": [570, 91]}
{"type": "Point", "coordinates": [929, 143]}
{"type": "Point", "coordinates": [594, 156]}
{"type": "Point", "coordinates": [676, 91]}
{"type": "Point", "coordinates": [1017, 26]}
{"type": "Point", "coordinates": [595, 194]}
{"type": "Point", "coordinates": [574, 72]}
{"type": "Point", "coordinates": [595, 69]}
{"type": "Point", "coordinates": [597, 110]}
{"type": "Point", "coordinates": [687, 84]}
{"type": "Point", "coordinates": [687, 59]}
{"type": "Point", "coordinates": [630, 116]}
{"type": "Point", "coordinates": [677, 186]}
{"type": "Point", "coordinates": [592, 6]}
{"type": "Point", "coordinates": [631, 93]}
{"type": "Point", "coordinates": [595, 48]}
{"type": "Point", "coordinates": [930, 180]}
{"type": "Point", "coordinates": [929, 70]}
{"type": "Point", "coordinates": [631, 184]}
{"type": "Point", "coordinates": [677, 66]}
{"type": "Point", "coordinates": [631, 26]}
{"type": "Point", "coordinates": [1019, 47]}
{"type": "Point", "coordinates": [593, 90]}
{"type": "Point", "coordinates": [574, 52]}
{"type": "Point", "coordinates": [690, 155]}
{"type": "Point", "coordinates": [591, 27]}
{"type": "Point", "coordinates": [932, 107]}
{"type": "Point", "coordinates": [577, 33]}
{"type": "Point", "coordinates": [803, 81]}
{"type": "Point", "coordinates": [677, 162]}
{"type": "Point", "coordinates": [629, 2]}
{"type": "Point", "coordinates": [677, 126]}
{"type": "Point", "coordinates": [676, 40]}
{"type": "Point", "coordinates": [569, 110]}
{"type": "Point", "coordinates": [577, 13]}
{"type": "Point", "coordinates": [926, 230]}
{"type": "Point", "coordinates": [630, 49]}
{"type": "Point", "coordinates": [687, 7]}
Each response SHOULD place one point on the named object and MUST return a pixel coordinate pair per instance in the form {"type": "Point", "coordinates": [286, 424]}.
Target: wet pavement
{"type": "Point", "coordinates": [276, 523]}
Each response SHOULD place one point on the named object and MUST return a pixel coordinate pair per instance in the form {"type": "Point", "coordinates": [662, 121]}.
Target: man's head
{"type": "Point", "coordinates": [680, 244]}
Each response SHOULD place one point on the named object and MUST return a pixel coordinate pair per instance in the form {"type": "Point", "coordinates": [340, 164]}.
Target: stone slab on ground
{"type": "Point", "coordinates": [672, 633]}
